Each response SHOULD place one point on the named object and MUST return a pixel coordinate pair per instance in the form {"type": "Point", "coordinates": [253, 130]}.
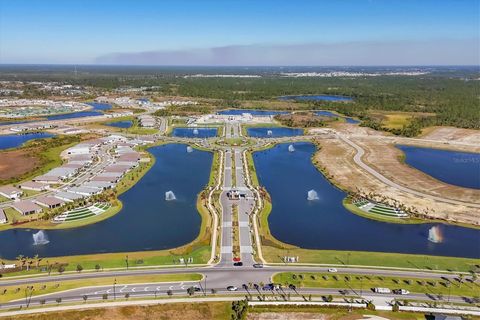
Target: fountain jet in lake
{"type": "Point", "coordinates": [169, 196]}
{"type": "Point", "coordinates": [40, 238]}
{"type": "Point", "coordinates": [269, 132]}
{"type": "Point", "coordinates": [291, 148]}
{"type": "Point", "coordinates": [312, 195]}
{"type": "Point", "coordinates": [195, 132]}
{"type": "Point", "coordinates": [189, 149]}
{"type": "Point", "coordinates": [435, 235]}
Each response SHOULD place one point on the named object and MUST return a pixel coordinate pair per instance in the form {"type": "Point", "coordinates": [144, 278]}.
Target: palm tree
{"type": "Point", "coordinates": [20, 259]}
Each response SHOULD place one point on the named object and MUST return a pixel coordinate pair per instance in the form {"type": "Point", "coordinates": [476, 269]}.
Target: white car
{"type": "Point", "coordinates": [332, 270]}
{"type": "Point", "coordinates": [232, 288]}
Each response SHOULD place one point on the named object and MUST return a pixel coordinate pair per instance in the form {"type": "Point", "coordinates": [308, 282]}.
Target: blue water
{"type": "Point", "coordinates": [457, 168]}
{"type": "Point", "coordinates": [96, 111]}
{"type": "Point", "coordinates": [189, 132]}
{"type": "Point", "coordinates": [330, 114]}
{"type": "Point", "coordinates": [318, 97]}
{"type": "Point", "coordinates": [258, 132]}
{"type": "Point", "coordinates": [16, 140]}
{"type": "Point", "coordinates": [120, 124]}
{"type": "Point", "coordinates": [146, 222]}
{"type": "Point", "coordinates": [258, 113]}
{"type": "Point", "coordinates": [326, 224]}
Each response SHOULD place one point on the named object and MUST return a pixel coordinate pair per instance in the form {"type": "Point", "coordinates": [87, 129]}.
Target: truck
{"type": "Point", "coordinates": [382, 290]}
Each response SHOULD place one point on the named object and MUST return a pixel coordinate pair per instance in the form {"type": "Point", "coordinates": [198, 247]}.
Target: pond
{"type": "Point", "coordinates": [316, 97]}
{"type": "Point", "coordinates": [124, 124]}
{"type": "Point", "coordinates": [16, 140]}
{"type": "Point", "coordinates": [453, 167]}
{"type": "Point", "coordinates": [96, 111]}
{"type": "Point", "coordinates": [147, 220]}
{"type": "Point", "coordinates": [195, 132]}
{"type": "Point", "coordinates": [330, 114]}
{"type": "Point", "coordinates": [253, 112]}
{"type": "Point", "coordinates": [273, 132]}
{"type": "Point", "coordinates": [325, 224]}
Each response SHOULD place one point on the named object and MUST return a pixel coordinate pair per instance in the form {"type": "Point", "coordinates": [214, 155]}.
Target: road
{"type": "Point", "coordinates": [217, 278]}
{"type": "Point", "coordinates": [358, 160]}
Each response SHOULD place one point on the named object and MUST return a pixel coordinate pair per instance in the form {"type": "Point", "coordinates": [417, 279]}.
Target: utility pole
{"type": "Point", "coordinates": [126, 260]}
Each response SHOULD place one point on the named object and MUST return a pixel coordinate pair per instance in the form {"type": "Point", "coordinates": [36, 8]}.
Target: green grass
{"type": "Point", "coordinates": [212, 180]}
{"type": "Point", "coordinates": [49, 287]}
{"type": "Point", "coordinates": [366, 282]}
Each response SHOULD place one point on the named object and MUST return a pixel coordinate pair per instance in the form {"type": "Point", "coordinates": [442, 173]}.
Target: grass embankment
{"type": "Point", "coordinates": [171, 311]}
{"type": "Point", "coordinates": [18, 292]}
{"type": "Point", "coordinates": [366, 282]}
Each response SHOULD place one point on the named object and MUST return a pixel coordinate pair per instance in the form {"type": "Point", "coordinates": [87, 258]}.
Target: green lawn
{"type": "Point", "coordinates": [352, 281]}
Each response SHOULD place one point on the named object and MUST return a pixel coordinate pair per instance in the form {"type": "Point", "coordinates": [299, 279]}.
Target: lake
{"type": "Point", "coordinates": [326, 224]}
{"type": "Point", "coordinates": [125, 124]}
{"type": "Point", "coordinates": [453, 167]}
{"type": "Point", "coordinates": [273, 132]}
{"type": "Point", "coordinates": [253, 112]}
{"type": "Point", "coordinates": [16, 140]}
{"type": "Point", "coordinates": [195, 132]}
{"type": "Point", "coordinates": [330, 114]}
{"type": "Point", "coordinates": [146, 222]}
{"type": "Point", "coordinates": [317, 97]}
{"type": "Point", "coordinates": [96, 111]}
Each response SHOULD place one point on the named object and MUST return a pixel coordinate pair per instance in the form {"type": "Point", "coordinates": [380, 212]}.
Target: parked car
{"type": "Point", "coordinates": [196, 288]}
{"type": "Point", "coordinates": [332, 270]}
{"type": "Point", "coordinates": [238, 264]}
{"type": "Point", "coordinates": [258, 265]}
{"type": "Point", "coordinates": [401, 291]}
{"type": "Point", "coordinates": [268, 286]}
{"type": "Point", "coordinates": [232, 288]}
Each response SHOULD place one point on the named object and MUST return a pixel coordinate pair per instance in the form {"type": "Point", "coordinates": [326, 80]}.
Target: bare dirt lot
{"type": "Point", "coordinates": [337, 158]}
{"type": "Point", "coordinates": [16, 163]}
{"type": "Point", "coordinates": [452, 134]}
{"type": "Point", "coordinates": [176, 311]}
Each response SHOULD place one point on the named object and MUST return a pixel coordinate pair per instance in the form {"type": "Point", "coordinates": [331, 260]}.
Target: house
{"type": "Point", "coordinates": [34, 186]}
{"type": "Point", "coordinates": [85, 191]}
{"type": "Point", "coordinates": [26, 207]}
{"type": "Point", "coordinates": [47, 179]}
{"type": "Point", "coordinates": [101, 185]}
{"type": "Point", "coordinates": [10, 192]}
{"type": "Point", "coordinates": [49, 201]}
{"type": "Point", "coordinates": [116, 168]}
{"type": "Point", "coordinates": [68, 196]}
{"type": "Point", "coordinates": [3, 216]}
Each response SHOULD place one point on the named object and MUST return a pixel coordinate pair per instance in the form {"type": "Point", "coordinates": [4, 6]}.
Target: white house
{"type": "Point", "coordinates": [10, 192]}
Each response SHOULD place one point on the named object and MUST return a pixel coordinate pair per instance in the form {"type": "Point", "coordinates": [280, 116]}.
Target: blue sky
{"type": "Point", "coordinates": [240, 32]}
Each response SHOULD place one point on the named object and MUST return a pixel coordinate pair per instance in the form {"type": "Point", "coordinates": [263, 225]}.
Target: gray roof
{"type": "Point", "coordinates": [98, 184]}
{"type": "Point", "coordinates": [68, 195]}
{"type": "Point", "coordinates": [9, 190]}
{"type": "Point", "coordinates": [32, 184]}
{"type": "Point", "coordinates": [26, 206]}
{"type": "Point", "coordinates": [83, 190]}
{"type": "Point", "coordinates": [48, 200]}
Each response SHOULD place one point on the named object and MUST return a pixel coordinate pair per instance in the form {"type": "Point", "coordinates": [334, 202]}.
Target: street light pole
{"type": "Point", "coordinates": [114, 294]}
{"type": "Point", "coordinates": [205, 292]}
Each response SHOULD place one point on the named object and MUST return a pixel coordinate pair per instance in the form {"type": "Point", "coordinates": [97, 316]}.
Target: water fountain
{"type": "Point", "coordinates": [40, 238]}
{"type": "Point", "coordinates": [435, 235]}
{"type": "Point", "coordinates": [189, 149]}
{"type": "Point", "coordinates": [291, 148]}
{"type": "Point", "coordinates": [170, 196]}
{"type": "Point", "coordinates": [195, 132]}
{"type": "Point", "coordinates": [269, 132]}
{"type": "Point", "coordinates": [312, 195]}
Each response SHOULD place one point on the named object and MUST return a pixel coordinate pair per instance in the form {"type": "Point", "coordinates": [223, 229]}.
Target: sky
{"type": "Point", "coordinates": [243, 32]}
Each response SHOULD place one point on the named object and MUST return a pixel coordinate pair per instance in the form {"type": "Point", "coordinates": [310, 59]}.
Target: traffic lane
{"type": "Point", "coordinates": [215, 269]}
{"type": "Point", "coordinates": [151, 290]}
